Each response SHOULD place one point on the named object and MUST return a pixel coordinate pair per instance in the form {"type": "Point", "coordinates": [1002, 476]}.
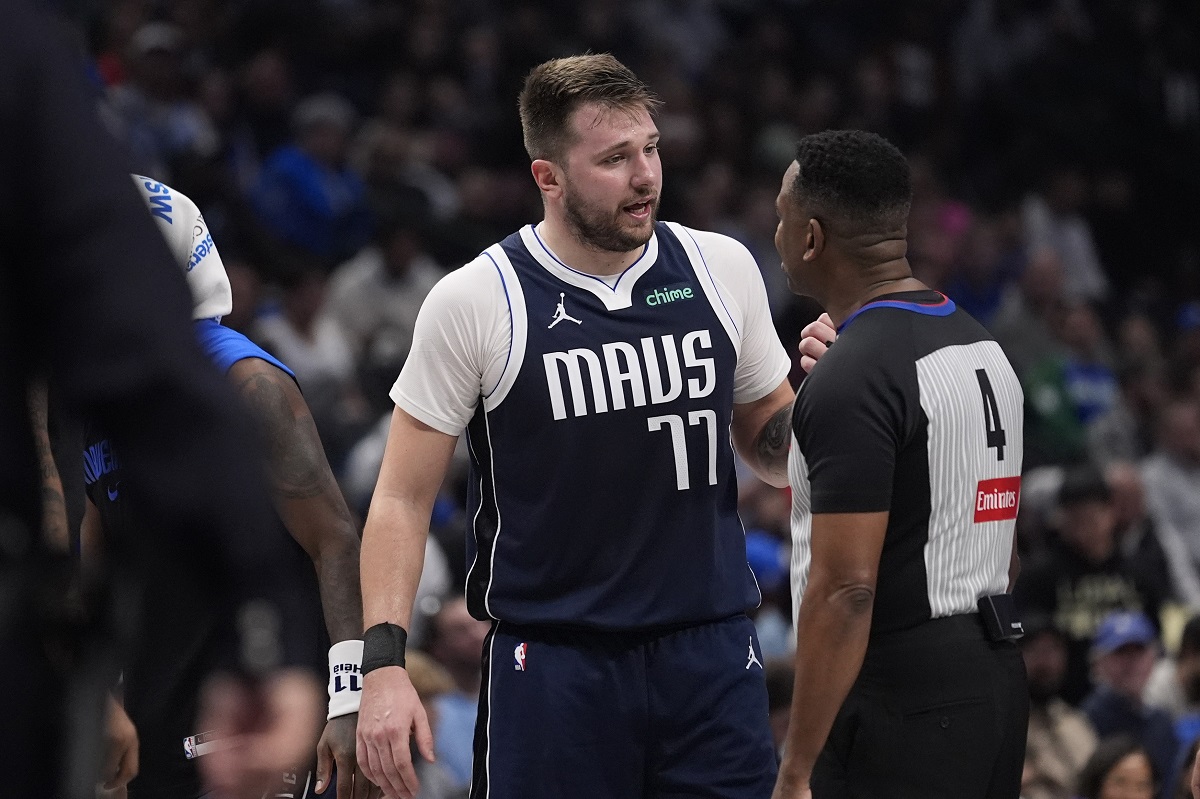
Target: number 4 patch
{"type": "Point", "coordinates": [991, 415]}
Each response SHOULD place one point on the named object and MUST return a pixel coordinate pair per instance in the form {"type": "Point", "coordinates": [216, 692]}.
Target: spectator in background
{"type": "Point", "coordinates": [382, 155]}
{"type": "Point", "coordinates": [319, 353]}
{"type": "Point", "coordinates": [986, 269]}
{"type": "Point", "coordinates": [477, 222]}
{"type": "Point", "coordinates": [1183, 776]}
{"type": "Point", "coordinates": [259, 123]}
{"type": "Point", "coordinates": [316, 348]}
{"type": "Point", "coordinates": [1137, 535]}
{"type": "Point", "coordinates": [1054, 219]}
{"type": "Point", "coordinates": [1065, 391]}
{"type": "Point", "coordinates": [375, 296]}
{"type": "Point", "coordinates": [1172, 477]}
{"type": "Point", "coordinates": [1030, 314]}
{"type": "Point", "coordinates": [1061, 738]}
{"type": "Point", "coordinates": [1121, 768]}
{"type": "Point", "coordinates": [1174, 685]}
{"type": "Point", "coordinates": [247, 287]}
{"type": "Point", "coordinates": [1125, 431]}
{"type": "Point", "coordinates": [1123, 655]}
{"type": "Point", "coordinates": [1081, 576]}
{"type": "Point", "coordinates": [161, 122]}
{"type": "Point", "coordinates": [306, 195]}
{"type": "Point", "coordinates": [456, 642]}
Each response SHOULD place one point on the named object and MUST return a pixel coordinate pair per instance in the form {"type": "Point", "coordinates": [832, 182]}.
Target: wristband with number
{"type": "Point", "coordinates": [345, 678]}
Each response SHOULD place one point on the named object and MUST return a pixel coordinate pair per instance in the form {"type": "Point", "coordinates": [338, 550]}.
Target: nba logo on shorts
{"type": "Point", "coordinates": [519, 657]}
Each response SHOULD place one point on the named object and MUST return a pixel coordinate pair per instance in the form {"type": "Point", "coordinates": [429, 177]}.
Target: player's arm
{"type": "Point", "coordinates": [55, 528]}
{"type": "Point", "coordinates": [314, 512]}
{"type": "Point", "coordinates": [304, 491]}
{"type": "Point", "coordinates": [119, 764]}
{"type": "Point", "coordinates": [415, 462]}
{"type": "Point", "coordinates": [762, 434]}
{"type": "Point", "coordinates": [832, 629]}
{"type": "Point", "coordinates": [762, 430]}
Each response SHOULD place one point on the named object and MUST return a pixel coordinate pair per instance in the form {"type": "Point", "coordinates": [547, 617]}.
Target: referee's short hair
{"type": "Point", "coordinates": [853, 177]}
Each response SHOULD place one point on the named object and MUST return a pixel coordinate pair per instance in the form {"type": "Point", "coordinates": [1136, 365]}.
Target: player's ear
{"type": "Point", "coordinates": [547, 176]}
{"type": "Point", "coordinates": [814, 239]}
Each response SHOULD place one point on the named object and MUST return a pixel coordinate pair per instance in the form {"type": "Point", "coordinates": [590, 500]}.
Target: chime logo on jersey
{"type": "Point", "coordinates": [673, 293]}
{"type": "Point", "coordinates": [519, 657]}
{"type": "Point", "coordinates": [624, 375]}
{"type": "Point", "coordinates": [997, 500]}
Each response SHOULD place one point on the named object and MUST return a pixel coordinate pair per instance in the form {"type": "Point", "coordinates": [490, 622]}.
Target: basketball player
{"type": "Point", "coordinates": [905, 474]}
{"type": "Point", "coordinates": [604, 367]}
{"type": "Point", "coordinates": [178, 644]}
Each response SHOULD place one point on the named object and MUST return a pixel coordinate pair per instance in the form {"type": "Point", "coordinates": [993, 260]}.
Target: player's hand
{"type": "Point", "coordinates": [815, 339]}
{"type": "Point", "coordinates": [120, 748]}
{"type": "Point", "coordinates": [264, 730]}
{"type": "Point", "coordinates": [336, 747]}
{"type": "Point", "coordinates": [389, 715]}
{"type": "Point", "coordinates": [1196, 778]}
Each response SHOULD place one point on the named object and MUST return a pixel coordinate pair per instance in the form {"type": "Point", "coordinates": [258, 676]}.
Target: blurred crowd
{"type": "Point", "coordinates": [347, 153]}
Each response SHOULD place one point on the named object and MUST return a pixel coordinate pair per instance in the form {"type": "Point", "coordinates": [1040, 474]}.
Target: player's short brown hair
{"type": "Point", "coordinates": [554, 89]}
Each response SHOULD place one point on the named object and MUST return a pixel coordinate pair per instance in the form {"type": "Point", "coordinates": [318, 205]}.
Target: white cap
{"type": "Point", "coordinates": [189, 241]}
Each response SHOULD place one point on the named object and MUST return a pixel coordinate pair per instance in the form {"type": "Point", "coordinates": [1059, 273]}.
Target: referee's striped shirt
{"type": "Point", "coordinates": [916, 411]}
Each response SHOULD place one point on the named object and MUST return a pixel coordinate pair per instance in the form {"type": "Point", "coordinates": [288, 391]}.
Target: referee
{"type": "Point", "coordinates": [905, 473]}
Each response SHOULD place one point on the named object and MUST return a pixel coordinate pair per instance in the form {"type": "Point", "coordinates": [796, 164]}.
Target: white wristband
{"type": "Point", "coordinates": [345, 678]}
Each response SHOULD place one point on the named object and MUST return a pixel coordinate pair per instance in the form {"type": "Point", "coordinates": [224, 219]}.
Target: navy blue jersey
{"type": "Point", "coordinates": [602, 491]}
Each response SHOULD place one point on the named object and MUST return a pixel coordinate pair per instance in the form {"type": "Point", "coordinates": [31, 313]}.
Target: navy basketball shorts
{"type": "Point", "coordinates": [602, 715]}
{"type": "Point", "coordinates": [937, 712]}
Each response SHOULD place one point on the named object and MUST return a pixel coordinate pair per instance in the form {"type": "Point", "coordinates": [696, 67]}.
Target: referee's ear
{"type": "Point", "coordinates": [814, 239]}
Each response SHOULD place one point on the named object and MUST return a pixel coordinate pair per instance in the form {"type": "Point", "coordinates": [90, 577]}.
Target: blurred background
{"type": "Point", "coordinates": [347, 153]}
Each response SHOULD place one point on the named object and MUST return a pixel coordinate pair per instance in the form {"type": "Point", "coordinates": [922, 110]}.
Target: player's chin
{"type": "Point", "coordinates": [636, 233]}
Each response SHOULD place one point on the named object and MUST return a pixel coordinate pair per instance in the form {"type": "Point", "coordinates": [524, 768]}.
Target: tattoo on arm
{"type": "Point", "coordinates": [773, 441]}
{"type": "Point", "coordinates": [307, 496]}
{"type": "Point", "coordinates": [295, 458]}
{"type": "Point", "coordinates": [55, 526]}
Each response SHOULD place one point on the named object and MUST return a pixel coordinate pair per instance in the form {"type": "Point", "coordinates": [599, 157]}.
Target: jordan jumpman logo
{"type": "Point", "coordinates": [560, 313]}
{"type": "Point", "coordinates": [753, 660]}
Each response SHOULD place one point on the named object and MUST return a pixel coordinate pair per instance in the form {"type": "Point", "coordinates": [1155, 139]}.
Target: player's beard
{"type": "Point", "coordinates": [603, 230]}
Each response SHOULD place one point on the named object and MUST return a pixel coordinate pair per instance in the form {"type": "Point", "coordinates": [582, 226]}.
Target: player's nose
{"type": "Point", "coordinates": [644, 175]}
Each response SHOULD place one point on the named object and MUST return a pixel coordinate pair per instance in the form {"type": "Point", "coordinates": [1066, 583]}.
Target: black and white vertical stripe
{"type": "Point", "coordinates": [959, 457]}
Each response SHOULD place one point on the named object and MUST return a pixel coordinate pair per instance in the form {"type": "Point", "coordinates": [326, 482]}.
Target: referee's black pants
{"type": "Point", "coordinates": [938, 712]}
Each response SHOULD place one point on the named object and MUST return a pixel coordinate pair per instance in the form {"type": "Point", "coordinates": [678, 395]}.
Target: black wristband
{"type": "Point", "coordinates": [383, 645]}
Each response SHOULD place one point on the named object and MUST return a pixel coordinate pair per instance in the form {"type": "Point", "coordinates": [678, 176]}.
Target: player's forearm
{"type": "Point", "coordinates": [55, 527]}
{"type": "Point", "coordinates": [322, 525]}
{"type": "Point", "coordinates": [762, 434]}
{"type": "Point", "coordinates": [770, 450]}
{"type": "Point", "coordinates": [832, 630]}
{"type": "Point", "coordinates": [393, 555]}
{"type": "Point", "coordinates": [338, 580]}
